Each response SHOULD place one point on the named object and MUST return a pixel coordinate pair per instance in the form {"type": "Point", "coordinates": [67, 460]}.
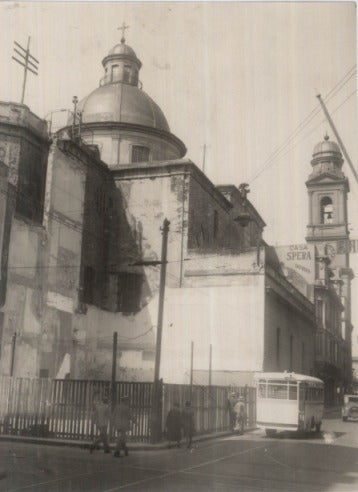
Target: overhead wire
{"type": "Point", "coordinates": [275, 160]}
{"type": "Point", "coordinates": [332, 93]}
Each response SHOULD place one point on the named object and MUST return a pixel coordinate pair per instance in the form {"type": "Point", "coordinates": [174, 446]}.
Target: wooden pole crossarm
{"type": "Point", "coordinates": [28, 68]}
{"type": "Point", "coordinates": [19, 45]}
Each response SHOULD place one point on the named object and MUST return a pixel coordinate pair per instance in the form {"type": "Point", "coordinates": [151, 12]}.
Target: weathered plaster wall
{"type": "Point", "coordinates": [290, 323]}
{"type": "Point", "coordinates": [210, 220]}
{"type": "Point", "coordinates": [23, 142]}
{"type": "Point", "coordinates": [93, 335]}
{"type": "Point", "coordinates": [147, 201]}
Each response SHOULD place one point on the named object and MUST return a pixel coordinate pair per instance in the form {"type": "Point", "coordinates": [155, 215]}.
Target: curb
{"type": "Point", "coordinates": [133, 446]}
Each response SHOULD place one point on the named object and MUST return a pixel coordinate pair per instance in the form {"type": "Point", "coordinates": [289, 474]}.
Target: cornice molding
{"type": "Point", "coordinates": [113, 125]}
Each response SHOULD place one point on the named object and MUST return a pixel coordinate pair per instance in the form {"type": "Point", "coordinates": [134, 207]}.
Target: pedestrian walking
{"type": "Point", "coordinates": [174, 425]}
{"type": "Point", "coordinates": [101, 415]}
{"type": "Point", "coordinates": [231, 402]}
{"type": "Point", "coordinates": [122, 421]}
{"type": "Point", "coordinates": [240, 412]}
{"type": "Point", "coordinates": [188, 423]}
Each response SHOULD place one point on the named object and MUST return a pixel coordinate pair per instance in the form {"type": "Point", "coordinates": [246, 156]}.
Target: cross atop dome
{"type": "Point", "coordinates": [123, 28]}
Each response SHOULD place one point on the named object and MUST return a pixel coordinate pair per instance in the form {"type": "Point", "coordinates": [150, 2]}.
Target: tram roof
{"type": "Point", "coordinates": [286, 376]}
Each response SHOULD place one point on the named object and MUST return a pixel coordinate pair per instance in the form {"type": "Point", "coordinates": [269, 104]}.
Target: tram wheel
{"type": "Point", "coordinates": [270, 432]}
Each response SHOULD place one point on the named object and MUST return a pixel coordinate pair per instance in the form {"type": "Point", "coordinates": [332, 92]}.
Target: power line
{"type": "Point", "coordinates": [274, 161]}
{"type": "Point", "coordinates": [332, 93]}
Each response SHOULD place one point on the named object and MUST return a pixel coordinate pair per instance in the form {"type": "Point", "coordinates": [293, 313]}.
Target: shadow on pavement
{"type": "Point", "coordinates": [305, 435]}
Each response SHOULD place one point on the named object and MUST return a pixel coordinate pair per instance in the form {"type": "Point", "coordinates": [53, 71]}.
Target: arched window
{"type": "Point", "coordinates": [126, 74]}
{"type": "Point", "coordinates": [326, 210]}
{"type": "Point", "coordinates": [115, 73]}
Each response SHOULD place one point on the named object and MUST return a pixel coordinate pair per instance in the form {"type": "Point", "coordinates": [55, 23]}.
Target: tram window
{"type": "Point", "coordinates": [278, 391]}
{"type": "Point", "coordinates": [292, 391]}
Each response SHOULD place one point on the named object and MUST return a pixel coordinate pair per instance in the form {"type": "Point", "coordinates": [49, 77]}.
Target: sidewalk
{"type": "Point", "coordinates": [332, 412]}
{"type": "Point", "coordinates": [134, 446]}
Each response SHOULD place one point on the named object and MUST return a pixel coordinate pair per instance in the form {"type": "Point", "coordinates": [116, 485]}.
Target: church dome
{"type": "Point", "coordinates": [121, 119]}
{"type": "Point", "coordinates": [118, 99]}
{"type": "Point", "coordinates": [122, 49]}
{"type": "Point", "coordinates": [122, 103]}
{"type": "Point", "coordinates": [326, 147]}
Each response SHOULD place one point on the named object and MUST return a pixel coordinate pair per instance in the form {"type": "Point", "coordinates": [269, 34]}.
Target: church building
{"type": "Point", "coordinates": [81, 250]}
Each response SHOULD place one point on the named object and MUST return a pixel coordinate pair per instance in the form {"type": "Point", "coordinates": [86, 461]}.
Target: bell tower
{"type": "Point", "coordinates": [327, 228]}
{"type": "Point", "coordinates": [327, 190]}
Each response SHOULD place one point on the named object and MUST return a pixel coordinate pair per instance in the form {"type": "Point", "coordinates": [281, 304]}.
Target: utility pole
{"type": "Point", "coordinates": [341, 144]}
{"type": "Point", "coordinates": [163, 270]}
{"type": "Point", "coordinates": [191, 368]}
{"type": "Point", "coordinates": [157, 388]}
{"type": "Point", "coordinates": [13, 348]}
{"type": "Point", "coordinates": [28, 61]}
{"type": "Point", "coordinates": [114, 368]}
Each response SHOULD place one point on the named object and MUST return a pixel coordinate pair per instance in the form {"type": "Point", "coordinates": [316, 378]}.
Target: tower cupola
{"type": "Point", "coordinates": [327, 158]}
{"type": "Point", "coordinates": [121, 65]}
{"type": "Point", "coordinates": [327, 189]}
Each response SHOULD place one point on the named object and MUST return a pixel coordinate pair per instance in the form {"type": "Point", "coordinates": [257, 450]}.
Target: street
{"type": "Point", "coordinates": [328, 462]}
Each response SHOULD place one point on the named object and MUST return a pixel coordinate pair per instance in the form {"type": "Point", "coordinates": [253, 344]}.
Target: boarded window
{"type": "Point", "coordinates": [140, 153]}
{"type": "Point", "coordinates": [88, 284]}
{"type": "Point", "coordinates": [44, 373]}
{"type": "Point", "coordinates": [129, 292]}
{"type": "Point", "coordinates": [31, 183]}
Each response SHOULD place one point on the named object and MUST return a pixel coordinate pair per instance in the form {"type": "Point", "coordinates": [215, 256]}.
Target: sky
{"type": "Point", "coordinates": [239, 77]}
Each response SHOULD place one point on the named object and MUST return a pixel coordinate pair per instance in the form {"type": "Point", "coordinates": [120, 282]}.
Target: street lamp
{"type": "Point", "coordinates": [50, 113]}
{"type": "Point", "coordinates": [74, 101]}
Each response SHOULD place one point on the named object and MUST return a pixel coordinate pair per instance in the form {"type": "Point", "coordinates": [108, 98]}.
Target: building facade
{"type": "Point", "coordinates": [327, 230]}
{"type": "Point", "coordinates": [82, 240]}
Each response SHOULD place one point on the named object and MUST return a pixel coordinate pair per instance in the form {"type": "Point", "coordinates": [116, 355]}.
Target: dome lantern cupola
{"type": "Point", "coordinates": [327, 157]}
{"type": "Point", "coordinates": [121, 65]}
